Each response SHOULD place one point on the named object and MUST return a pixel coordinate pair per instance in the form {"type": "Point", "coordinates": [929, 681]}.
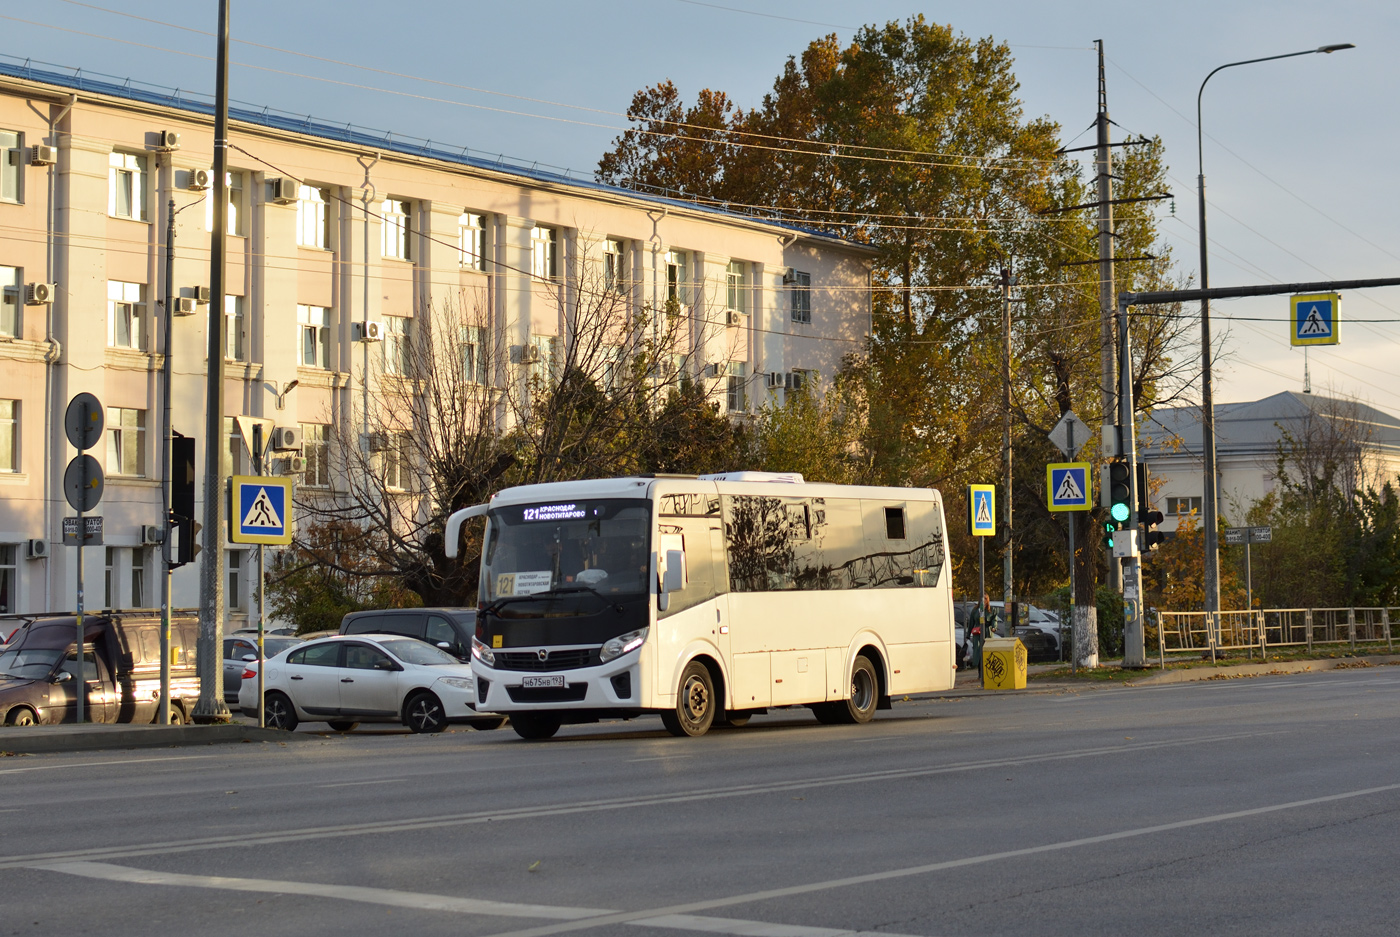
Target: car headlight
{"type": "Point", "coordinates": [622, 644]}
{"type": "Point", "coordinates": [461, 683]}
{"type": "Point", "coordinates": [483, 653]}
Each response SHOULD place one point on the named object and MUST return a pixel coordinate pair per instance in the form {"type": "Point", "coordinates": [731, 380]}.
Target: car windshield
{"type": "Point", "coordinates": [600, 545]}
{"type": "Point", "coordinates": [416, 652]}
{"type": "Point", "coordinates": [274, 646]}
{"type": "Point", "coordinates": [31, 664]}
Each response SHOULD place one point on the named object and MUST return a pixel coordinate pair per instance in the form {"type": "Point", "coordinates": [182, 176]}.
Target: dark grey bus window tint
{"type": "Point", "coordinates": [894, 523]}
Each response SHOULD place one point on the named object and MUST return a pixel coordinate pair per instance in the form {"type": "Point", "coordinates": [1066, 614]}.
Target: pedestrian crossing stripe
{"type": "Point", "coordinates": [982, 510]}
{"type": "Point", "coordinates": [260, 509]}
{"type": "Point", "coordinates": [1067, 486]}
{"type": "Point", "coordinates": [1314, 319]}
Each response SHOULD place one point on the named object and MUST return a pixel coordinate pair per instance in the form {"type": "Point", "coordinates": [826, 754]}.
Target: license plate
{"type": "Point", "coordinates": [556, 680]}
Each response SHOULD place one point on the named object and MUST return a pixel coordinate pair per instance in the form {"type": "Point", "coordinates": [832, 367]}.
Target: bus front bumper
{"type": "Point", "coordinates": [614, 685]}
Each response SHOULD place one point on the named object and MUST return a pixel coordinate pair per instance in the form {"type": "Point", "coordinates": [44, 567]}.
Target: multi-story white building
{"type": "Point", "coordinates": [329, 227]}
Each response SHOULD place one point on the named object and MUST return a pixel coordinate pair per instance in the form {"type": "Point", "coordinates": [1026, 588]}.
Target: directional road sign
{"type": "Point", "coordinates": [1070, 434]}
{"type": "Point", "coordinates": [260, 509]}
{"type": "Point", "coordinates": [1237, 536]}
{"type": "Point", "coordinates": [1067, 486]}
{"type": "Point", "coordinates": [982, 510]}
{"type": "Point", "coordinates": [92, 531]}
{"type": "Point", "coordinates": [1314, 319]}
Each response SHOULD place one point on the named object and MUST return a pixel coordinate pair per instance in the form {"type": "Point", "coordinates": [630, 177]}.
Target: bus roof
{"type": "Point", "coordinates": [644, 487]}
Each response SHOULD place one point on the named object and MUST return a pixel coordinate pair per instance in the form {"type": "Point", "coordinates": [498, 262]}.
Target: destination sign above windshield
{"type": "Point", "coordinates": [554, 512]}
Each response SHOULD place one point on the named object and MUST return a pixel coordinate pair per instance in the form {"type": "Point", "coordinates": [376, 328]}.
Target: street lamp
{"type": "Point", "coordinates": [1209, 512]}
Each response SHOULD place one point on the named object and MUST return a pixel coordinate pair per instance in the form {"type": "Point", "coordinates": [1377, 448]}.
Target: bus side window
{"type": "Point", "coordinates": [699, 561]}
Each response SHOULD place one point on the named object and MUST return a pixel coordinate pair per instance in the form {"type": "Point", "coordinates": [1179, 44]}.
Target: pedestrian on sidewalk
{"type": "Point", "coordinates": [981, 622]}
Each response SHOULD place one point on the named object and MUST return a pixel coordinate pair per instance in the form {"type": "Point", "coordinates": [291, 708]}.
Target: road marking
{"type": "Point", "coordinates": [305, 834]}
{"type": "Point", "coordinates": [633, 761]}
{"type": "Point", "coordinates": [420, 901]}
{"type": "Point", "coordinates": [90, 764]}
{"type": "Point", "coordinates": [793, 890]}
{"type": "Point", "coordinates": [358, 783]}
{"type": "Point", "coordinates": [385, 896]}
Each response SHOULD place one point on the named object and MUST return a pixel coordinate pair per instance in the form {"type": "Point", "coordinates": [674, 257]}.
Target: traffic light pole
{"type": "Point", "coordinates": [167, 439]}
{"type": "Point", "coordinates": [1134, 653]}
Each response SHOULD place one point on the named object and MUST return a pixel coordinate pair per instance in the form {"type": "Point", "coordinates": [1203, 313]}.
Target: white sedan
{"type": "Point", "coordinates": [349, 679]}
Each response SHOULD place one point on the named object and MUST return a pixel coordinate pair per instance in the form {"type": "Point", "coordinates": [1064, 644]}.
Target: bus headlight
{"type": "Point", "coordinates": [622, 644]}
{"type": "Point", "coordinates": [483, 653]}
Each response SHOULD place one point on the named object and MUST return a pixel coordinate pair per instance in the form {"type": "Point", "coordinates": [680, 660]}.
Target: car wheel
{"type": "Point", "coordinates": [278, 712]}
{"type": "Point", "coordinates": [860, 706]}
{"type": "Point", "coordinates": [695, 703]}
{"type": "Point", "coordinates": [486, 725]}
{"type": "Point", "coordinates": [342, 725]}
{"type": "Point", "coordinates": [177, 715]}
{"type": "Point", "coordinates": [534, 726]}
{"type": "Point", "coordinates": [21, 716]}
{"type": "Point", "coordinates": [424, 713]}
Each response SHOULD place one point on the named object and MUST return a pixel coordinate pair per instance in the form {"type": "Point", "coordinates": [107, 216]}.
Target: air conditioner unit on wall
{"type": "Point", "coordinates": [168, 140]}
{"type": "Point", "coordinates": [39, 294]}
{"type": "Point", "coordinates": [283, 191]}
{"type": "Point", "coordinates": [36, 549]}
{"type": "Point", "coordinates": [294, 465]}
{"type": "Point", "coordinates": [733, 317]}
{"type": "Point", "coordinates": [715, 370]}
{"type": "Point", "coordinates": [789, 277]}
{"type": "Point", "coordinates": [367, 331]}
{"type": "Point", "coordinates": [287, 439]}
{"type": "Point", "coordinates": [200, 179]}
{"type": "Point", "coordinates": [41, 155]}
{"type": "Point", "coordinates": [202, 294]}
{"type": "Point", "coordinates": [773, 379]}
{"type": "Point", "coordinates": [377, 442]}
{"type": "Point", "coordinates": [150, 533]}
{"type": "Point", "coordinates": [184, 306]}
{"type": "Point", "coordinates": [529, 354]}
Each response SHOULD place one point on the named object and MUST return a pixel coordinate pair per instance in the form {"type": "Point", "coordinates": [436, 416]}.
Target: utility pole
{"type": "Point", "coordinates": [1103, 165]}
{"type": "Point", "coordinates": [1008, 596]}
{"type": "Point", "coordinates": [167, 439]}
{"type": "Point", "coordinates": [211, 706]}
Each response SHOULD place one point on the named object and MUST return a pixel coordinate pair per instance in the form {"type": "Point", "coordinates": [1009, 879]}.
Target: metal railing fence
{"type": "Point", "coordinates": [1214, 632]}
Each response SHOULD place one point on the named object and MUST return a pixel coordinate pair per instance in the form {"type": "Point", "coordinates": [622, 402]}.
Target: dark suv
{"type": "Point", "coordinates": [448, 628]}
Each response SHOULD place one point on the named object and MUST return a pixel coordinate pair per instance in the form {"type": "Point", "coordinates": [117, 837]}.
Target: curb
{"type": "Point", "coordinates": [1197, 674]}
{"type": "Point", "coordinates": [34, 740]}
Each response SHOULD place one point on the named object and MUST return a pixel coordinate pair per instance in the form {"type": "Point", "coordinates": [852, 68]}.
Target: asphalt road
{"type": "Point", "coordinates": [1264, 806]}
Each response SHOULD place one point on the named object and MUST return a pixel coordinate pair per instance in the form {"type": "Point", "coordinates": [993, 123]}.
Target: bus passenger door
{"type": "Point", "coordinates": [695, 613]}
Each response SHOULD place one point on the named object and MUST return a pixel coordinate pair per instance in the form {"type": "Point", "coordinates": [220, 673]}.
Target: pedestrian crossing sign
{"type": "Point", "coordinates": [982, 510]}
{"type": "Point", "coordinates": [1314, 319]}
{"type": "Point", "coordinates": [260, 510]}
{"type": "Point", "coordinates": [1067, 486]}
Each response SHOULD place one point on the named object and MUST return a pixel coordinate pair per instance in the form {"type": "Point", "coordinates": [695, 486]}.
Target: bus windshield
{"type": "Point", "coordinates": [578, 546]}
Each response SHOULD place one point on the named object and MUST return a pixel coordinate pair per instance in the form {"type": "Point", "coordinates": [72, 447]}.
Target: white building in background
{"type": "Point", "coordinates": [84, 184]}
{"type": "Point", "coordinates": [1247, 437]}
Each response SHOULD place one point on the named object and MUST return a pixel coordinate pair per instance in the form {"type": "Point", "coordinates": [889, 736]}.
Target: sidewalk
{"type": "Point", "coordinates": [33, 740]}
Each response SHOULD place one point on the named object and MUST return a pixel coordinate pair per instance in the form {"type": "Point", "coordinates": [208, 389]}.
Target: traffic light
{"type": "Point", "coordinates": [1110, 527]}
{"type": "Point", "coordinates": [182, 476]}
{"type": "Point", "coordinates": [1148, 519]}
{"type": "Point", "coordinates": [1120, 491]}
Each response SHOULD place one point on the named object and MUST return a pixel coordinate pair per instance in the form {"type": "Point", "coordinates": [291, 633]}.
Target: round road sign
{"type": "Point", "coordinates": [83, 421]}
{"type": "Point", "coordinates": [82, 483]}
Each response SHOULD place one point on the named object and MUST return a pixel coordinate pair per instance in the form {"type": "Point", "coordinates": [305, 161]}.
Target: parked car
{"type": "Point", "coordinates": [449, 629]}
{"type": "Point", "coordinates": [345, 680]}
{"type": "Point", "coordinates": [1040, 645]}
{"type": "Point", "coordinates": [40, 676]}
{"type": "Point", "coordinates": [1032, 616]}
{"type": "Point", "coordinates": [241, 648]}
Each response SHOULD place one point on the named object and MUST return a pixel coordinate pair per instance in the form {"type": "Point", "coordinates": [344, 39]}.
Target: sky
{"type": "Point", "coordinates": [1298, 153]}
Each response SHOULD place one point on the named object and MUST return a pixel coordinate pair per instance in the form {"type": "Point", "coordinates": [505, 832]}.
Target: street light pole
{"type": "Point", "coordinates": [1209, 506]}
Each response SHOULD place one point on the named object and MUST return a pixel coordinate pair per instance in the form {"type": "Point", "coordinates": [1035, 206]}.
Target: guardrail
{"type": "Point", "coordinates": [1202, 632]}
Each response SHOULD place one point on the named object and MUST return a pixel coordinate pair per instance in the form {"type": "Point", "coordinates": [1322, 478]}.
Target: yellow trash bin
{"type": "Point", "coordinates": [1004, 664]}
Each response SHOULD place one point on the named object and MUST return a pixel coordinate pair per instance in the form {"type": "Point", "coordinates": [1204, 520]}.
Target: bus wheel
{"type": "Point", "coordinates": [859, 707]}
{"type": "Point", "coordinates": [695, 703]}
{"type": "Point", "coordinates": [534, 726]}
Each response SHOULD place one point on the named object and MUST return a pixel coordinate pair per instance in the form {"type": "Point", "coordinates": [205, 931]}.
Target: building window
{"type": "Point", "coordinates": [395, 228]}
{"type": "Point", "coordinates": [675, 276]}
{"type": "Point", "coordinates": [473, 354]}
{"type": "Point", "coordinates": [544, 253]}
{"type": "Point", "coordinates": [126, 186]}
{"type": "Point", "coordinates": [109, 578]}
{"type": "Point", "coordinates": [9, 579]}
{"type": "Point", "coordinates": [9, 435]}
{"type": "Point", "coordinates": [801, 295]}
{"type": "Point", "coordinates": [397, 339]}
{"type": "Point", "coordinates": [11, 165]}
{"type": "Point", "coordinates": [125, 315]}
{"type": "Point", "coordinates": [1180, 506]}
{"type": "Point", "coordinates": [314, 334]}
{"type": "Point", "coordinates": [397, 463]}
{"type": "Point", "coordinates": [126, 442]}
{"type": "Point", "coordinates": [472, 230]}
{"type": "Point", "coordinates": [10, 323]}
{"type": "Point", "coordinates": [614, 267]}
{"type": "Point", "coordinates": [316, 447]}
{"type": "Point", "coordinates": [233, 205]}
{"type": "Point", "coordinates": [233, 587]}
{"type": "Point", "coordinates": [139, 599]}
{"type": "Point", "coordinates": [736, 397]}
{"type": "Point", "coordinates": [614, 369]}
{"type": "Point", "coordinates": [313, 217]}
{"type": "Point", "coordinates": [234, 349]}
{"type": "Point", "coordinates": [736, 286]}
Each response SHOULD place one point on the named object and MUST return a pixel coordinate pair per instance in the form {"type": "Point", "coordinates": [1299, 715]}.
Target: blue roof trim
{"type": "Point", "coordinates": [374, 139]}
